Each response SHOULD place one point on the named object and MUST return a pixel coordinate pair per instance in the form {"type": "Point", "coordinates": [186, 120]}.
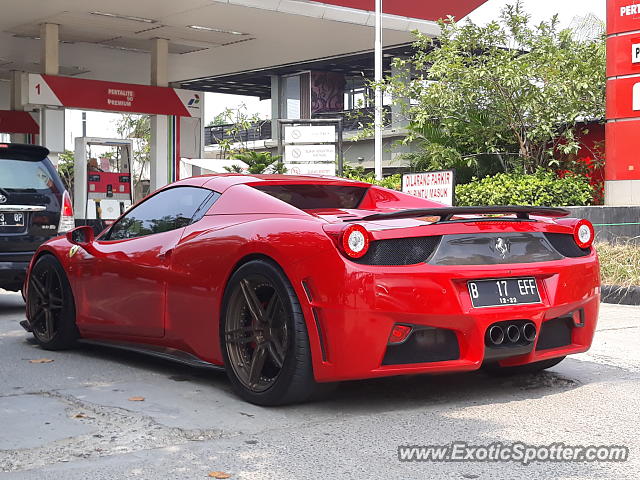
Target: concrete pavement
{"type": "Point", "coordinates": [73, 418]}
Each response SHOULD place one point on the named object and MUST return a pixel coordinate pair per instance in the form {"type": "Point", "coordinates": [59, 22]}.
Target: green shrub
{"type": "Point", "coordinates": [393, 182]}
{"type": "Point", "coordinates": [544, 188]}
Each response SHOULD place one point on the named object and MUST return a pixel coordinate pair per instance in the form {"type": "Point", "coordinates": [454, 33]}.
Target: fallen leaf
{"type": "Point", "coordinates": [41, 360]}
{"type": "Point", "coordinates": [79, 415]}
{"type": "Point", "coordinates": [219, 475]}
{"type": "Point", "coordinates": [136, 399]}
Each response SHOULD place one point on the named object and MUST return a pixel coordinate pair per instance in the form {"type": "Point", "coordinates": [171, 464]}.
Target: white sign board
{"type": "Point", "coordinates": [309, 153]}
{"type": "Point", "coordinates": [635, 103]}
{"type": "Point", "coordinates": [434, 186]}
{"type": "Point", "coordinates": [310, 134]}
{"type": "Point", "coordinates": [311, 168]}
{"type": "Point", "coordinates": [635, 53]}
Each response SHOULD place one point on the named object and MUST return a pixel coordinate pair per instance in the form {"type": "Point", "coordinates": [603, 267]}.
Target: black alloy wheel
{"type": "Point", "coordinates": [50, 305]}
{"type": "Point", "coordinates": [264, 337]}
{"type": "Point", "coordinates": [257, 333]}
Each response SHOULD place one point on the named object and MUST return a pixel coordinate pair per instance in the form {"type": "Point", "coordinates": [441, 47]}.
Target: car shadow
{"type": "Point", "coordinates": [382, 394]}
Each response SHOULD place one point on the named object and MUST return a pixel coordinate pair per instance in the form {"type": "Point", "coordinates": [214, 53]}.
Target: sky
{"type": "Point", "coordinates": [101, 124]}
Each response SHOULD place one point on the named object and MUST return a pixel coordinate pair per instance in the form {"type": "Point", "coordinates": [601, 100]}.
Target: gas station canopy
{"type": "Point", "coordinates": [111, 40]}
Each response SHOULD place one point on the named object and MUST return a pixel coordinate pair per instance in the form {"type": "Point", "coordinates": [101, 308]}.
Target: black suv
{"type": "Point", "coordinates": [34, 207]}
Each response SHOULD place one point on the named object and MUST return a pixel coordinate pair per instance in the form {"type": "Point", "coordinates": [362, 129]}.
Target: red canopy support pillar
{"type": "Point", "coordinates": [622, 169]}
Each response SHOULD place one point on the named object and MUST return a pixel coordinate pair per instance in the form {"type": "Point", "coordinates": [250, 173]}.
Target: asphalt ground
{"type": "Point", "coordinates": [76, 417]}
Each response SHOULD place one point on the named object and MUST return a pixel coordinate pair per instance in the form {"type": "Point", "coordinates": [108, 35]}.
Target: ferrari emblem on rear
{"type": "Point", "coordinates": [73, 250]}
{"type": "Point", "coordinates": [502, 247]}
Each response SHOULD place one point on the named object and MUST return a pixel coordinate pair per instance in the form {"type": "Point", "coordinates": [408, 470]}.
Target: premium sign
{"type": "Point", "coordinates": [436, 186]}
{"type": "Point", "coordinates": [310, 134]}
{"type": "Point", "coordinates": [112, 96]}
{"type": "Point", "coordinates": [635, 53]}
{"type": "Point", "coordinates": [311, 168]}
{"type": "Point", "coordinates": [310, 153]}
{"type": "Point", "coordinates": [623, 55]}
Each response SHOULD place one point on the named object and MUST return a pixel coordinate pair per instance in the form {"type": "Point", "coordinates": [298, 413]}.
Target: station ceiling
{"type": "Point", "coordinates": [207, 38]}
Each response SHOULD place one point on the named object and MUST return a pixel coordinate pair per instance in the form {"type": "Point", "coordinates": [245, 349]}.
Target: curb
{"type": "Point", "coordinates": [620, 295]}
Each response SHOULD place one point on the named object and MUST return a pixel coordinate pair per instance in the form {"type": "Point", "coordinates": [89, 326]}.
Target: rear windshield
{"type": "Point", "coordinates": [24, 175]}
{"type": "Point", "coordinates": [314, 196]}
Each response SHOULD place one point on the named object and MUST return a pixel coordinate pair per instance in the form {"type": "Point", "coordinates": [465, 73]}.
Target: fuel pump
{"type": "Point", "coordinates": [103, 187]}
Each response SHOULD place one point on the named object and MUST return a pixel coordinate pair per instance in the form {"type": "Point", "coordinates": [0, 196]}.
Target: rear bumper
{"type": "Point", "coordinates": [354, 323]}
{"type": "Point", "coordinates": [12, 274]}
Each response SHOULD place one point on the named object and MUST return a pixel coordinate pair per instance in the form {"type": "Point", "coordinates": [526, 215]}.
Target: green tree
{"type": "Point", "coordinates": [237, 123]}
{"type": "Point", "coordinates": [138, 128]}
{"type": "Point", "coordinates": [65, 169]}
{"type": "Point", "coordinates": [258, 162]}
{"type": "Point", "coordinates": [507, 96]}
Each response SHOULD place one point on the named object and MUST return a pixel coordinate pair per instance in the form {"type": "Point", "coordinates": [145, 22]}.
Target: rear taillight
{"type": "Point", "coordinates": [67, 222]}
{"type": "Point", "coordinates": [584, 234]}
{"type": "Point", "coordinates": [354, 241]}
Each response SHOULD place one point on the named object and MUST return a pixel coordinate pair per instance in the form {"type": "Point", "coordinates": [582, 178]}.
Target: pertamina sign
{"type": "Point", "coordinates": [436, 186]}
{"type": "Point", "coordinates": [112, 96]}
{"type": "Point", "coordinates": [623, 94]}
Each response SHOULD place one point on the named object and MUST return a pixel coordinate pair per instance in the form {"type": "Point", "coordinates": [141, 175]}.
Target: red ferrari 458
{"type": "Point", "coordinates": [291, 283]}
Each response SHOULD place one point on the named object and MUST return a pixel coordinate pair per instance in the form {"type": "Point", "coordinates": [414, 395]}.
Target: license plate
{"type": "Point", "coordinates": [502, 292]}
{"type": "Point", "coordinates": [11, 219]}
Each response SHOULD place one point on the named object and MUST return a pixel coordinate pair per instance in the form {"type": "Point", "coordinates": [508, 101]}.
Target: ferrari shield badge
{"type": "Point", "coordinates": [73, 250]}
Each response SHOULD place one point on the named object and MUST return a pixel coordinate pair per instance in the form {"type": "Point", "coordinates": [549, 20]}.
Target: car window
{"type": "Point", "coordinates": [316, 196]}
{"type": "Point", "coordinates": [24, 175]}
{"type": "Point", "coordinates": [167, 210]}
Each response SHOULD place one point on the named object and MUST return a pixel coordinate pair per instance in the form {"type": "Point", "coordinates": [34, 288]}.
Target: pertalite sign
{"type": "Point", "coordinates": [112, 96]}
{"type": "Point", "coordinates": [436, 186]}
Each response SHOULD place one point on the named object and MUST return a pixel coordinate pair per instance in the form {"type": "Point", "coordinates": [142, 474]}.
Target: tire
{"type": "Point", "coordinates": [497, 370]}
{"type": "Point", "coordinates": [262, 325]}
{"type": "Point", "coordinates": [50, 305]}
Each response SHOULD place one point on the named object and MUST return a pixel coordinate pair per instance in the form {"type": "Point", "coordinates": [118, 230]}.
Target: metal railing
{"type": "Point", "coordinates": [215, 134]}
{"type": "Point", "coordinates": [351, 120]}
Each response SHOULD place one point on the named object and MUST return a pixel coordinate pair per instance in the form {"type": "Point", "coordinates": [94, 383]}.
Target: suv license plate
{"type": "Point", "coordinates": [11, 219]}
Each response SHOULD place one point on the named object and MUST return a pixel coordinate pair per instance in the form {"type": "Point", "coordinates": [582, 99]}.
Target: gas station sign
{"type": "Point", "coordinates": [623, 15]}
{"type": "Point", "coordinates": [623, 95]}
{"type": "Point", "coordinates": [12, 121]}
{"type": "Point", "coordinates": [112, 96]}
{"type": "Point", "coordinates": [309, 134]}
{"type": "Point", "coordinates": [623, 55]}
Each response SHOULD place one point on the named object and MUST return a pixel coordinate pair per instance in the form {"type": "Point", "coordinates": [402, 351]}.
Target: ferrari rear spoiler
{"type": "Point", "coordinates": [447, 213]}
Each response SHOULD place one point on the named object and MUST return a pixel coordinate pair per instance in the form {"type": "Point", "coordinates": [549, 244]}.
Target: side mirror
{"type": "Point", "coordinates": [81, 236]}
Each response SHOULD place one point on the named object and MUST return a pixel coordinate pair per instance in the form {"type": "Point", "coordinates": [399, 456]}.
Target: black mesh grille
{"type": "Point", "coordinates": [424, 346]}
{"type": "Point", "coordinates": [555, 333]}
{"type": "Point", "coordinates": [566, 245]}
{"type": "Point", "coordinates": [400, 251]}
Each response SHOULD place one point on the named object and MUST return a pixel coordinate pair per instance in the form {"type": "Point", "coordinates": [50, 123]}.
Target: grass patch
{"type": "Point", "coordinates": [619, 264]}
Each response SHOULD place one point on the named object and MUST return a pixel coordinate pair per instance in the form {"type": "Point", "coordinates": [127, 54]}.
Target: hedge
{"type": "Point", "coordinates": [544, 188]}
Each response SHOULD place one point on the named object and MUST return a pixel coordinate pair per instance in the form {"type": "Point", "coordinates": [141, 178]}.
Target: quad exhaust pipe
{"type": "Point", "coordinates": [496, 335]}
{"type": "Point", "coordinates": [529, 332]}
{"type": "Point", "coordinates": [511, 333]}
